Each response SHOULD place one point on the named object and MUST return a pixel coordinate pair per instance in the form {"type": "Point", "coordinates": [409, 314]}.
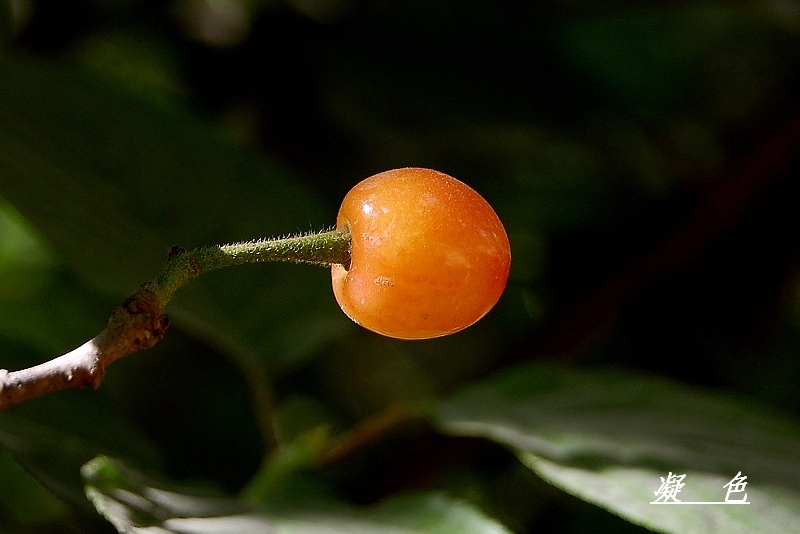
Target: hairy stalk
{"type": "Point", "coordinates": [140, 322]}
{"type": "Point", "coordinates": [325, 249]}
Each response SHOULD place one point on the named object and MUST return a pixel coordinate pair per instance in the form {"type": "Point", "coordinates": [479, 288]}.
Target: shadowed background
{"type": "Point", "coordinates": [642, 155]}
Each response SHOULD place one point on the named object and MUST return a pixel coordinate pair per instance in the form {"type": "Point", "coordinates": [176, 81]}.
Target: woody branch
{"type": "Point", "coordinates": [139, 322]}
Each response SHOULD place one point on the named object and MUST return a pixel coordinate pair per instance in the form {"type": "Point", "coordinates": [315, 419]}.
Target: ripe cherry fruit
{"type": "Point", "coordinates": [429, 255]}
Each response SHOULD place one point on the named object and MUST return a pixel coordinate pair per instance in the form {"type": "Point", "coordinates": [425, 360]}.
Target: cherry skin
{"type": "Point", "coordinates": [429, 256]}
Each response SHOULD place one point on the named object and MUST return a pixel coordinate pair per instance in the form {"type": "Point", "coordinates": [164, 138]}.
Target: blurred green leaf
{"type": "Point", "coordinates": [607, 437]}
{"type": "Point", "coordinates": [718, 60]}
{"type": "Point", "coordinates": [146, 66]}
{"type": "Point", "coordinates": [112, 182]}
{"type": "Point", "coordinates": [135, 504]}
{"type": "Point", "coordinates": [23, 498]}
{"type": "Point", "coordinates": [52, 439]}
{"type": "Point", "coordinates": [40, 306]}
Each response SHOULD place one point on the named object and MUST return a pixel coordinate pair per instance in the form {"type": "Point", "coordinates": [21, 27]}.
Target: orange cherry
{"type": "Point", "coordinates": [429, 256]}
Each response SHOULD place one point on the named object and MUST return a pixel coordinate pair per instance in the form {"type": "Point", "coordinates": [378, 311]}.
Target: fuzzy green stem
{"type": "Point", "coordinates": [324, 248]}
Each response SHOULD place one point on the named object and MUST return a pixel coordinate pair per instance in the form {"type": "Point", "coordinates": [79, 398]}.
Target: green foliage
{"type": "Point", "coordinates": [608, 437]}
{"type": "Point", "coordinates": [133, 503]}
{"type": "Point", "coordinates": [125, 130]}
{"type": "Point", "coordinates": [23, 500]}
{"type": "Point", "coordinates": [111, 177]}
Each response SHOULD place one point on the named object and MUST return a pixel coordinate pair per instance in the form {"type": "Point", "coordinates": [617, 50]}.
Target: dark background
{"type": "Point", "coordinates": [642, 155]}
